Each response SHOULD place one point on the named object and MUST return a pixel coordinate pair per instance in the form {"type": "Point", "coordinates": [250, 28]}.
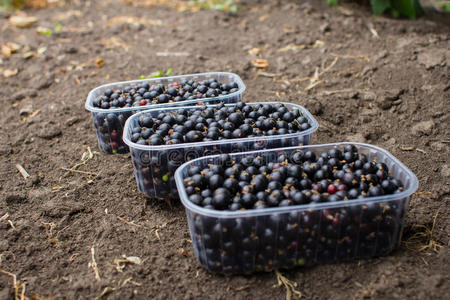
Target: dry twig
{"type": "Point", "coordinates": [121, 263]}
{"type": "Point", "coordinates": [19, 288]}
{"type": "Point", "coordinates": [372, 30]}
{"type": "Point", "coordinates": [416, 241]}
{"type": "Point", "coordinates": [105, 292]}
{"type": "Point", "coordinates": [22, 171]}
{"type": "Point", "coordinates": [315, 80]}
{"type": "Point", "coordinates": [289, 286]}
{"type": "Point", "coordinates": [128, 222]}
{"type": "Point", "coordinates": [93, 264]}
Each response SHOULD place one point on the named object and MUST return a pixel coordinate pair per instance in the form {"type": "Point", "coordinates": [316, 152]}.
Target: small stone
{"type": "Point", "coordinates": [368, 96]}
{"type": "Point", "coordinates": [26, 110]}
{"type": "Point", "coordinates": [445, 170]}
{"type": "Point", "coordinates": [13, 198]}
{"type": "Point", "coordinates": [393, 94]}
{"type": "Point", "coordinates": [33, 180]}
{"type": "Point", "coordinates": [49, 132]}
{"type": "Point", "coordinates": [437, 146]}
{"type": "Point", "coordinates": [5, 149]}
{"type": "Point", "coordinates": [23, 93]}
{"type": "Point", "coordinates": [325, 27]}
{"type": "Point", "coordinates": [380, 55]}
{"type": "Point", "coordinates": [384, 103]}
{"type": "Point", "coordinates": [22, 21]}
{"type": "Point", "coordinates": [434, 57]}
{"type": "Point", "coordinates": [387, 99]}
{"type": "Point", "coordinates": [72, 121]}
{"type": "Point", "coordinates": [355, 138]}
{"type": "Point", "coordinates": [54, 208]}
{"type": "Point", "coordinates": [42, 82]}
{"type": "Point", "coordinates": [71, 50]}
{"type": "Point", "coordinates": [423, 128]}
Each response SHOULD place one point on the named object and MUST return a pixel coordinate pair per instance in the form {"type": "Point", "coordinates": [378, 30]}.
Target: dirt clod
{"type": "Point", "coordinates": [423, 128]}
{"type": "Point", "coordinates": [445, 170]}
{"type": "Point", "coordinates": [15, 198]}
{"type": "Point", "coordinates": [49, 133]}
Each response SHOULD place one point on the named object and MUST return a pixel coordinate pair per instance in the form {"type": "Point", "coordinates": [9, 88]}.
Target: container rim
{"type": "Point", "coordinates": [88, 104]}
{"type": "Point", "coordinates": [305, 112]}
{"type": "Point", "coordinates": [280, 210]}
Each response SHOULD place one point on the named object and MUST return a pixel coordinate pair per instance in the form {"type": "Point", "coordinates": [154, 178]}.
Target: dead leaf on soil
{"type": "Point", "coordinates": [41, 50]}
{"type": "Point", "coordinates": [183, 252]}
{"type": "Point", "coordinates": [254, 51]}
{"type": "Point", "coordinates": [114, 42]}
{"type": "Point", "coordinates": [22, 21]}
{"type": "Point", "coordinates": [43, 30]}
{"type": "Point", "coordinates": [119, 20]}
{"type": "Point", "coordinates": [68, 14]}
{"type": "Point", "coordinates": [10, 48]}
{"type": "Point", "coordinates": [121, 263]}
{"type": "Point", "coordinates": [176, 54]}
{"type": "Point", "coordinates": [293, 47]}
{"type": "Point", "coordinates": [345, 11]}
{"type": "Point", "coordinates": [260, 63]}
{"type": "Point", "coordinates": [179, 5]}
{"type": "Point", "coordinates": [264, 17]}
{"type": "Point", "coordinates": [99, 62]}
{"type": "Point", "coordinates": [40, 3]}
{"type": "Point", "coordinates": [10, 73]}
{"type": "Point", "coordinates": [28, 55]}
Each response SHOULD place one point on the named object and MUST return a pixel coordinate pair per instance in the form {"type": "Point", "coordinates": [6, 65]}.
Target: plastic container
{"type": "Point", "coordinates": [109, 123]}
{"type": "Point", "coordinates": [154, 166]}
{"type": "Point", "coordinates": [285, 237]}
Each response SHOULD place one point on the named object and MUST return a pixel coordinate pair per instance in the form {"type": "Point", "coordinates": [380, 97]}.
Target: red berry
{"type": "Point", "coordinates": [114, 135]}
{"type": "Point", "coordinates": [143, 102]}
{"type": "Point", "coordinates": [175, 84]}
{"type": "Point", "coordinates": [332, 189]}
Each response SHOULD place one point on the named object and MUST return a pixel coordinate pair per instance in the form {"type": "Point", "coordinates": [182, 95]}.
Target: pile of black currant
{"type": "Point", "coordinates": [251, 240]}
{"type": "Point", "coordinates": [146, 94]}
{"type": "Point", "coordinates": [221, 122]}
{"type": "Point", "coordinates": [301, 178]}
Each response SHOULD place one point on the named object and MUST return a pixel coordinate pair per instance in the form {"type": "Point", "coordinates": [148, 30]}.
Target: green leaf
{"type": "Point", "coordinates": [405, 8]}
{"type": "Point", "coordinates": [169, 72]}
{"type": "Point", "coordinates": [380, 6]}
{"type": "Point", "coordinates": [219, 7]}
{"type": "Point", "coordinates": [156, 74]}
{"type": "Point", "coordinates": [233, 8]}
{"type": "Point", "coordinates": [418, 7]}
{"type": "Point", "coordinates": [395, 13]}
{"type": "Point", "coordinates": [46, 32]}
{"type": "Point", "coordinates": [332, 2]}
{"type": "Point", "coordinates": [446, 6]}
{"type": "Point", "coordinates": [142, 77]}
{"type": "Point", "coordinates": [58, 27]}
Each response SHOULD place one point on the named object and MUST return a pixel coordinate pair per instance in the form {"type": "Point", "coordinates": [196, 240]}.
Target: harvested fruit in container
{"type": "Point", "coordinates": [296, 206]}
{"type": "Point", "coordinates": [112, 104]}
{"type": "Point", "coordinates": [161, 140]}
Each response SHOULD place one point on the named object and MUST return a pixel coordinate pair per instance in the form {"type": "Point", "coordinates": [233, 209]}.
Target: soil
{"type": "Point", "coordinates": [365, 78]}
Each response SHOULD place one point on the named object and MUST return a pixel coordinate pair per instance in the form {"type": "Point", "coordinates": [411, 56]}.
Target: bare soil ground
{"type": "Point", "coordinates": [365, 78]}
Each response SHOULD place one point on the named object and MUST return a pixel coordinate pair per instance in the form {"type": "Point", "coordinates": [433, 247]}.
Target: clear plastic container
{"type": "Point", "coordinates": [285, 237]}
{"type": "Point", "coordinates": [109, 123]}
{"type": "Point", "coordinates": [154, 166]}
